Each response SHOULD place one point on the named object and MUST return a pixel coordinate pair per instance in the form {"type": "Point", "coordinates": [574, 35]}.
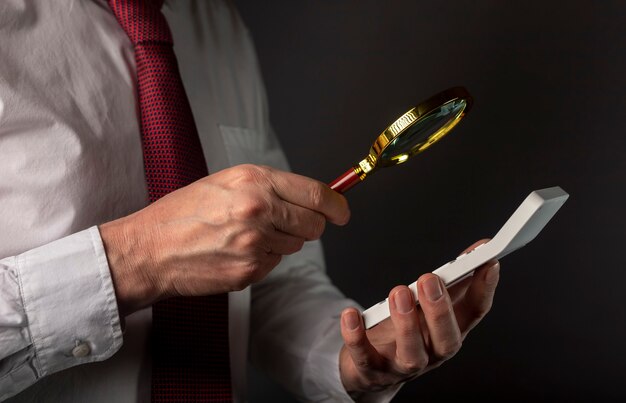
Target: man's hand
{"type": "Point", "coordinates": [415, 339]}
{"type": "Point", "coordinates": [219, 234]}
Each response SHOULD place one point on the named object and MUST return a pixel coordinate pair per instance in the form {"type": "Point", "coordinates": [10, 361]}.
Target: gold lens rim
{"type": "Point", "coordinates": [409, 119]}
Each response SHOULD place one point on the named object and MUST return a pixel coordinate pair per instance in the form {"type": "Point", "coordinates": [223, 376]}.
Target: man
{"type": "Point", "coordinates": [86, 255]}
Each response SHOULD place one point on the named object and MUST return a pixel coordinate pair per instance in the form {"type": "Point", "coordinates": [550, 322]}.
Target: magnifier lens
{"type": "Point", "coordinates": [410, 134]}
{"type": "Point", "coordinates": [423, 133]}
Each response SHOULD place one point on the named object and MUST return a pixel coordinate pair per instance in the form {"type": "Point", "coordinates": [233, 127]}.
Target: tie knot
{"type": "Point", "coordinates": [142, 20]}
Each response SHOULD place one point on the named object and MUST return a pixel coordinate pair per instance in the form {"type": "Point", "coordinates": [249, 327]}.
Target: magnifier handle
{"type": "Point", "coordinates": [346, 181]}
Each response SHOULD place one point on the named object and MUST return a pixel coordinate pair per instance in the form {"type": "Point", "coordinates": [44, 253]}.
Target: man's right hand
{"type": "Point", "coordinates": [218, 234]}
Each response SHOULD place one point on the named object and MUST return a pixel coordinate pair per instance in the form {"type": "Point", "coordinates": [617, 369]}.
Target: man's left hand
{"type": "Point", "coordinates": [415, 339]}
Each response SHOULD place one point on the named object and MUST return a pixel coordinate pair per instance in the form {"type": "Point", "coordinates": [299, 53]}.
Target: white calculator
{"type": "Point", "coordinates": [522, 227]}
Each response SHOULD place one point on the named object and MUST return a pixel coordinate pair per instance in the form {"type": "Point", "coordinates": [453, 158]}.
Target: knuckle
{"type": "Point", "coordinates": [406, 330]}
{"type": "Point", "coordinates": [316, 195]}
{"type": "Point", "coordinates": [266, 169]}
{"type": "Point", "coordinates": [251, 240]}
{"type": "Point", "coordinates": [449, 349]}
{"type": "Point", "coordinates": [483, 309]}
{"type": "Point", "coordinates": [414, 366]}
{"type": "Point", "coordinates": [246, 173]}
{"type": "Point", "coordinates": [353, 343]}
{"type": "Point", "coordinates": [249, 172]}
{"type": "Point", "coordinates": [252, 207]}
{"type": "Point", "coordinates": [285, 215]}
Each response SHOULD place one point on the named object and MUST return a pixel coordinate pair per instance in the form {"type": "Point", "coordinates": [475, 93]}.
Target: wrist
{"type": "Point", "coordinates": [129, 261]}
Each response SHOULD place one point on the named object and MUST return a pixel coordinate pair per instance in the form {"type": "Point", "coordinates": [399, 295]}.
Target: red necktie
{"type": "Point", "coordinates": [189, 335]}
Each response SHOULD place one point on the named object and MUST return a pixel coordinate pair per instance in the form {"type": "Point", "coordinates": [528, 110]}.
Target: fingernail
{"type": "Point", "coordinates": [351, 320]}
{"type": "Point", "coordinates": [403, 300]}
{"type": "Point", "coordinates": [493, 273]}
{"type": "Point", "coordinates": [432, 288]}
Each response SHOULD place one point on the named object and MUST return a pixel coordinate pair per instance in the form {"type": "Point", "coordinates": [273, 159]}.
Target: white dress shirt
{"type": "Point", "coordinates": [70, 159]}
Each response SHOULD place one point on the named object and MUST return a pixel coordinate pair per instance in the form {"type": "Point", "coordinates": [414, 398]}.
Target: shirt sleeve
{"type": "Point", "coordinates": [295, 332]}
{"type": "Point", "coordinates": [57, 310]}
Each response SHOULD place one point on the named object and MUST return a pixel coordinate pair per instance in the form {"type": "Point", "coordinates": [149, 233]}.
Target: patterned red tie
{"type": "Point", "coordinates": [189, 335]}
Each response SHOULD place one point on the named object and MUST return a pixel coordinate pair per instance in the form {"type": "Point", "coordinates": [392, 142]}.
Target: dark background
{"type": "Point", "coordinates": [548, 80]}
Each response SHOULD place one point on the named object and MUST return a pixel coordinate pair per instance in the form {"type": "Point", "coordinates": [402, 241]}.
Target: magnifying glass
{"type": "Point", "coordinates": [411, 134]}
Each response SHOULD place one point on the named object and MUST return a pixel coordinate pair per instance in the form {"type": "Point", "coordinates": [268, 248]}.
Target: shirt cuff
{"type": "Point", "coordinates": [70, 302]}
{"type": "Point", "coordinates": [323, 370]}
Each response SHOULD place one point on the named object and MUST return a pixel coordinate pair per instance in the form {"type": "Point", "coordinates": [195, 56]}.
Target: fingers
{"type": "Point", "coordinates": [284, 244]}
{"type": "Point", "coordinates": [364, 356]}
{"type": "Point", "coordinates": [415, 340]}
{"type": "Point", "coordinates": [457, 292]}
{"type": "Point", "coordinates": [475, 244]}
{"type": "Point", "coordinates": [310, 194]}
{"type": "Point", "coordinates": [439, 316]}
{"type": "Point", "coordinates": [298, 221]}
{"type": "Point", "coordinates": [479, 296]}
{"type": "Point", "coordinates": [411, 353]}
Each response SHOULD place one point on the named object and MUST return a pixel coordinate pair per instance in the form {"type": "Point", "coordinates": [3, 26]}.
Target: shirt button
{"type": "Point", "coordinates": [81, 350]}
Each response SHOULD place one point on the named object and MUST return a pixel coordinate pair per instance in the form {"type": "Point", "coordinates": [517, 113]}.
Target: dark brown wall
{"type": "Point", "coordinates": [548, 80]}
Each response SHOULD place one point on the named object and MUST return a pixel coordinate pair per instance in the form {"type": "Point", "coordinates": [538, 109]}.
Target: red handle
{"type": "Point", "coordinates": [343, 183]}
